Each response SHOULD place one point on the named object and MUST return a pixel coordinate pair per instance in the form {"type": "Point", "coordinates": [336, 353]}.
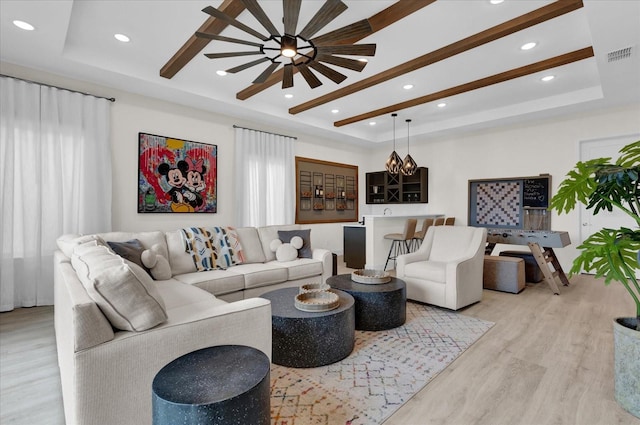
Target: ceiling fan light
{"type": "Point", "coordinates": [288, 46]}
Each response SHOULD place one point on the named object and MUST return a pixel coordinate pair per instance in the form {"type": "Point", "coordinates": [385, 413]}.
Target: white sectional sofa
{"type": "Point", "coordinates": [106, 371]}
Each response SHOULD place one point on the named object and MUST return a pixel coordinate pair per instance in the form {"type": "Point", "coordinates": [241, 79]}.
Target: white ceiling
{"type": "Point", "coordinates": [75, 39]}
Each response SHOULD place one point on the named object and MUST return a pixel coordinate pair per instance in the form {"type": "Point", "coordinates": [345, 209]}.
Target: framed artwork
{"type": "Point", "coordinates": [326, 192]}
{"type": "Point", "coordinates": [176, 176]}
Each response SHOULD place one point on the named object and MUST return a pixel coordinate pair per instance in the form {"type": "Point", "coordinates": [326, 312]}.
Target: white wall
{"type": "Point", "coordinates": [549, 146]}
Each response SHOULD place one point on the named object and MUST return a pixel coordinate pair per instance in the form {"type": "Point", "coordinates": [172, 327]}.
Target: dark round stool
{"type": "Point", "coordinates": [378, 307]}
{"type": "Point", "coordinates": [226, 384]}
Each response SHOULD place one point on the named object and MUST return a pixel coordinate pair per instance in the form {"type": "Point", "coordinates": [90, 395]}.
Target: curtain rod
{"type": "Point", "coordinates": [253, 129]}
{"type": "Point", "coordinates": [110, 99]}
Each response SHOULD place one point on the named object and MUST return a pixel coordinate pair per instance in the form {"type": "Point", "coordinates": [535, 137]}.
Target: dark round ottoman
{"type": "Point", "coordinates": [304, 339]}
{"type": "Point", "coordinates": [378, 307]}
{"type": "Point", "coordinates": [226, 384]}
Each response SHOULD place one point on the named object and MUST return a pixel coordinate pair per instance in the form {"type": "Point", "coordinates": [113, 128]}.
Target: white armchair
{"type": "Point", "coordinates": [447, 269]}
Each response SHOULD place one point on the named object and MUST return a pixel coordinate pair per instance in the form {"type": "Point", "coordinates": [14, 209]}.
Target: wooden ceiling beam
{"type": "Point", "coordinates": [474, 85]}
{"type": "Point", "coordinates": [194, 45]}
{"type": "Point", "coordinates": [545, 13]}
{"type": "Point", "coordinates": [397, 11]}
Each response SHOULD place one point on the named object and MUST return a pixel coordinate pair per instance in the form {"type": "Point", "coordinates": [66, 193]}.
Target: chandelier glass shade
{"type": "Point", "coordinates": [409, 166]}
{"type": "Point", "coordinates": [394, 162]}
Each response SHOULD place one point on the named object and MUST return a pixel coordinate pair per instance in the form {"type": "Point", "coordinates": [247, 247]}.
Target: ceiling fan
{"type": "Point", "coordinates": [300, 50]}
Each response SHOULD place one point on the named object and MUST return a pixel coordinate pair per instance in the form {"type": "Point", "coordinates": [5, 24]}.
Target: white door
{"type": "Point", "coordinates": [603, 148]}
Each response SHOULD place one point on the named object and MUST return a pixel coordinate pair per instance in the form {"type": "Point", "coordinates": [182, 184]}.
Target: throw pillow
{"type": "Point", "coordinates": [225, 239]}
{"type": "Point", "coordinates": [122, 290]}
{"type": "Point", "coordinates": [304, 252]}
{"type": "Point", "coordinates": [199, 243]}
{"type": "Point", "coordinates": [286, 251]}
{"type": "Point", "coordinates": [158, 265]}
{"type": "Point", "coordinates": [129, 250]}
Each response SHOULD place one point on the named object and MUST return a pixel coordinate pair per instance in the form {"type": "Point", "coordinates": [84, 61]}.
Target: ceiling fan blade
{"type": "Point", "coordinates": [346, 49]}
{"type": "Point", "coordinates": [353, 64]}
{"type": "Point", "coordinates": [227, 39]}
{"type": "Point", "coordinates": [287, 76]}
{"type": "Point", "coordinates": [311, 78]}
{"type": "Point", "coordinates": [291, 9]}
{"type": "Point", "coordinates": [229, 20]}
{"type": "Point", "coordinates": [247, 65]}
{"type": "Point", "coordinates": [266, 73]}
{"type": "Point", "coordinates": [254, 8]}
{"type": "Point", "coordinates": [327, 13]}
{"type": "Point", "coordinates": [230, 54]}
{"type": "Point", "coordinates": [357, 29]}
{"type": "Point", "coordinates": [330, 73]}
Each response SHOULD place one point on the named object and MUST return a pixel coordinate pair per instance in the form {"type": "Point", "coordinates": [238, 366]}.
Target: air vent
{"type": "Point", "coordinates": [620, 54]}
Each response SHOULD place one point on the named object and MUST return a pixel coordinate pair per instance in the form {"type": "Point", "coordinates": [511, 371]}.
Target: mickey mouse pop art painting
{"type": "Point", "coordinates": [176, 176]}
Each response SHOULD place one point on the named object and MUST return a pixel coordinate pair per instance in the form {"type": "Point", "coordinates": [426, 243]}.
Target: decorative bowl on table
{"type": "Point", "coordinates": [313, 287]}
{"type": "Point", "coordinates": [370, 277]}
{"type": "Point", "coordinates": [317, 301]}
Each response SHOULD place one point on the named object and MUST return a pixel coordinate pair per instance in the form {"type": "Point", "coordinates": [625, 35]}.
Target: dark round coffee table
{"type": "Point", "coordinates": [304, 339]}
{"type": "Point", "coordinates": [378, 306]}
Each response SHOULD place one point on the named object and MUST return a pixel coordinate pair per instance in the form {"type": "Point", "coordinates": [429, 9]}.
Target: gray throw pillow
{"type": "Point", "coordinates": [129, 250]}
{"type": "Point", "coordinates": [304, 252]}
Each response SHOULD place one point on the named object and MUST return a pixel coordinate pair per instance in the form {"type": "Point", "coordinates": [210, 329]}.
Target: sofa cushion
{"type": "Point", "coordinates": [69, 241]}
{"type": "Point", "coordinates": [177, 294]}
{"type": "Point", "coordinates": [228, 246]}
{"type": "Point", "coordinates": [180, 260]}
{"type": "Point", "coordinates": [217, 282]}
{"type": "Point", "coordinates": [269, 233]}
{"type": "Point", "coordinates": [301, 268]}
{"type": "Point", "coordinates": [304, 252]}
{"type": "Point", "coordinates": [262, 274]}
{"type": "Point", "coordinates": [124, 291]}
{"type": "Point", "coordinates": [251, 245]}
{"type": "Point", "coordinates": [435, 271]}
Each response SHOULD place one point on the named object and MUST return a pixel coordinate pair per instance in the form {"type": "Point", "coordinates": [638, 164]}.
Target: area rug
{"type": "Point", "coordinates": [385, 369]}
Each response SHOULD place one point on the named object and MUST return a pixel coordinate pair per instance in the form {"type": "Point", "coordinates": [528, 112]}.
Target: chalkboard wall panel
{"type": "Point", "coordinates": [536, 192]}
{"type": "Point", "coordinates": [510, 203]}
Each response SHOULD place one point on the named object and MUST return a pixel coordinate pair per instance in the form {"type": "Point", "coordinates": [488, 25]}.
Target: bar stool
{"type": "Point", "coordinates": [400, 241]}
{"type": "Point", "coordinates": [439, 221]}
{"type": "Point", "coordinates": [449, 221]}
{"type": "Point", "coordinates": [418, 237]}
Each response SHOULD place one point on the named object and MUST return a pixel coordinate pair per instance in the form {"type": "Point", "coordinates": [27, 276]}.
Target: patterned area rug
{"type": "Point", "coordinates": [383, 372]}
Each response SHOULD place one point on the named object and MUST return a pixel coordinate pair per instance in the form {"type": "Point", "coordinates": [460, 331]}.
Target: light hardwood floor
{"type": "Point", "coordinates": [547, 360]}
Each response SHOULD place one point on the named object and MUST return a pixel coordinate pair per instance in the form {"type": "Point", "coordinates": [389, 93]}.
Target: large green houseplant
{"type": "Point", "coordinates": [612, 254]}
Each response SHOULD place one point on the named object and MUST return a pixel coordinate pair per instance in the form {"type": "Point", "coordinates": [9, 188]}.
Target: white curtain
{"type": "Point", "coordinates": [264, 178]}
{"type": "Point", "coordinates": [55, 178]}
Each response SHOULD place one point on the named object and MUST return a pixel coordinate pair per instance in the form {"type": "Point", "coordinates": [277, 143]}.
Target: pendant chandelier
{"type": "Point", "coordinates": [394, 162]}
{"type": "Point", "coordinates": [409, 166]}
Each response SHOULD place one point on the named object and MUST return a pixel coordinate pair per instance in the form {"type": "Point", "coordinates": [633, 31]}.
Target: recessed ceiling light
{"type": "Point", "coordinates": [528, 46]}
{"type": "Point", "coordinates": [288, 95]}
{"type": "Point", "coordinates": [335, 111]}
{"type": "Point", "coordinates": [372, 123]}
{"type": "Point", "coordinates": [221, 73]}
{"type": "Point", "coordinates": [548, 77]}
{"type": "Point", "coordinates": [363, 60]}
{"type": "Point", "coordinates": [407, 86]}
{"type": "Point", "coordinates": [441, 105]}
{"type": "Point", "coordinates": [23, 25]}
{"type": "Point", "coordinates": [122, 37]}
{"type": "Point", "coordinates": [496, 1]}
